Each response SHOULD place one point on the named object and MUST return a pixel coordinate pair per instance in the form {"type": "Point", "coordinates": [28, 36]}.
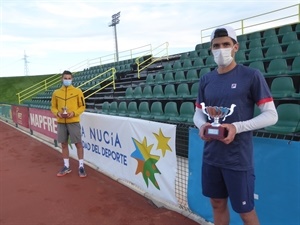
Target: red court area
{"type": "Point", "coordinates": [31, 194]}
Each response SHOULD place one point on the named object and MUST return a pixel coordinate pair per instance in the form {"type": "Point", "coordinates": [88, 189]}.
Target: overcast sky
{"type": "Point", "coordinates": [58, 34]}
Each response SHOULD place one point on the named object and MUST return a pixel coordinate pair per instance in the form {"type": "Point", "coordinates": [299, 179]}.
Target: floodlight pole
{"type": "Point", "coordinates": [115, 20]}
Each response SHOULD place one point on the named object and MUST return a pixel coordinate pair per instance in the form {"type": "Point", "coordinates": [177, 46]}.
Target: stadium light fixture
{"type": "Point", "coordinates": [115, 20]}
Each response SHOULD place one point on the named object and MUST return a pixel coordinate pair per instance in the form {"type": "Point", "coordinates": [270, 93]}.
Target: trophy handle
{"type": "Point", "coordinates": [230, 111]}
{"type": "Point", "coordinates": [203, 110]}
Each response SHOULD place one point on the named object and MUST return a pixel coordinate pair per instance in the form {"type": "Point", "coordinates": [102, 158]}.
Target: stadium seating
{"type": "Point", "coordinates": [174, 82]}
{"type": "Point", "coordinates": [147, 92]}
{"type": "Point", "coordinates": [122, 110]}
{"type": "Point", "coordinates": [170, 92]}
{"type": "Point", "coordinates": [288, 119]}
{"type": "Point", "coordinates": [186, 112]}
{"type": "Point", "coordinates": [269, 33]}
{"type": "Point", "coordinates": [157, 112]}
{"type": "Point", "coordinates": [113, 108]}
{"type": "Point", "coordinates": [158, 92]}
{"type": "Point", "coordinates": [183, 91]}
{"type": "Point", "coordinates": [277, 67]}
{"type": "Point", "coordinates": [105, 107]}
{"type": "Point", "coordinates": [144, 110]}
{"type": "Point", "coordinates": [132, 110]}
{"type": "Point", "coordinates": [282, 87]}
{"type": "Point", "coordinates": [171, 112]}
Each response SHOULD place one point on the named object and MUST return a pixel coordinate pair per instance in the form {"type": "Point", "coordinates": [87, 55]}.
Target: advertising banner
{"type": "Point", "coordinates": [139, 151]}
{"type": "Point", "coordinates": [20, 115]}
{"type": "Point", "coordinates": [43, 121]}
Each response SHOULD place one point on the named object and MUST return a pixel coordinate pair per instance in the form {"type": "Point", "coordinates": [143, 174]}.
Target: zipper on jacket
{"type": "Point", "coordinates": [66, 101]}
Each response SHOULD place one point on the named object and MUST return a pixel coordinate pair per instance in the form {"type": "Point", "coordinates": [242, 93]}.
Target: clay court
{"type": "Point", "coordinates": [32, 194]}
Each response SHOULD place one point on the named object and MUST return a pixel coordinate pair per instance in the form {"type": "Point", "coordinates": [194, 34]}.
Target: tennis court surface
{"type": "Point", "coordinates": [32, 194]}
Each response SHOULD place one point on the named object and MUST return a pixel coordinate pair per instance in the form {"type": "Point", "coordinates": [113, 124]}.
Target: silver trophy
{"type": "Point", "coordinates": [65, 113]}
{"type": "Point", "coordinates": [216, 112]}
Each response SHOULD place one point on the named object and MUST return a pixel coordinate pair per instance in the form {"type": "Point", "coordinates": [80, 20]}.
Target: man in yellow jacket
{"type": "Point", "coordinates": [67, 104]}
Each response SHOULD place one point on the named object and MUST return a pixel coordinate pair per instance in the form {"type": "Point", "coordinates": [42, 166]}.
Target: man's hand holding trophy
{"type": "Point", "coordinates": [65, 114]}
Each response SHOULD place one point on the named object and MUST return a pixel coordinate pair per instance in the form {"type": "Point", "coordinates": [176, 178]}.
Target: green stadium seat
{"type": "Point", "coordinates": [240, 56]}
{"type": "Point", "coordinates": [255, 55]}
{"type": "Point", "coordinates": [113, 108]}
{"type": "Point", "coordinates": [277, 67]}
{"type": "Point", "coordinates": [270, 41]}
{"type": "Point", "coordinates": [297, 28]}
{"type": "Point", "coordinates": [255, 43]}
{"type": "Point", "coordinates": [122, 110]}
{"type": "Point", "coordinates": [183, 91]}
{"type": "Point", "coordinates": [210, 62]}
{"type": "Point", "coordinates": [242, 37]}
{"type": "Point", "coordinates": [105, 107]}
{"type": "Point", "coordinates": [147, 92]}
{"type": "Point", "coordinates": [128, 93]}
{"type": "Point", "coordinates": [157, 111]}
{"type": "Point", "coordinates": [198, 63]}
{"type": "Point", "coordinates": [186, 112]}
{"type": "Point", "coordinates": [168, 67]}
{"type": "Point", "coordinates": [193, 55]}
{"type": "Point", "coordinates": [258, 65]}
{"type": "Point", "coordinates": [177, 66]}
{"type": "Point", "coordinates": [270, 33]}
{"type": "Point", "coordinates": [203, 53]}
{"type": "Point", "coordinates": [295, 69]}
{"type": "Point", "coordinates": [144, 111]}
{"type": "Point", "coordinates": [159, 78]}
{"type": "Point", "coordinates": [158, 92]}
{"type": "Point", "coordinates": [169, 77]}
{"type": "Point", "coordinates": [204, 70]}
{"type": "Point", "coordinates": [137, 92]}
{"type": "Point", "coordinates": [184, 56]}
{"type": "Point", "coordinates": [187, 64]}
{"type": "Point", "coordinates": [198, 47]}
{"type": "Point", "coordinates": [285, 29]}
{"type": "Point", "coordinates": [254, 35]}
{"type": "Point", "coordinates": [150, 79]}
{"type": "Point", "coordinates": [194, 90]}
{"type": "Point", "coordinates": [132, 110]}
{"type": "Point", "coordinates": [289, 38]}
{"type": "Point", "coordinates": [206, 45]}
{"type": "Point", "coordinates": [179, 77]}
{"type": "Point", "coordinates": [293, 49]}
{"type": "Point", "coordinates": [171, 112]}
{"type": "Point", "coordinates": [273, 52]}
{"type": "Point", "coordinates": [282, 87]}
{"type": "Point", "coordinates": [296, 95]}
{"type": "Point", "coordinates": [192, 75]}
{"type": "Point", "coordinates": [243, 45]}
{"type": "Point", "coordinates": [288, 119]}
{"type": "Point", "coordinates": [170, 91]}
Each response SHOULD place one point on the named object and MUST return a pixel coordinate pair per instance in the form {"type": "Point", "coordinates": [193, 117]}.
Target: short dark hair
{"type": "Point", "coordinates": [66, 72]}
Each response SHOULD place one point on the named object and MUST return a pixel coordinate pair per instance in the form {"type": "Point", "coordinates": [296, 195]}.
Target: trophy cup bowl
{"type": "Point", "coordinates": [215, 131]}
{"type": "Point", "coordinates": [65, 113]}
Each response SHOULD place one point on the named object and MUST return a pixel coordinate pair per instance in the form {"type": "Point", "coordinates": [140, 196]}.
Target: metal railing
{"type": "Point", "coordinates": [284, 16]}
{"type": "Point", "coordinates": [155, 55]}
{"type": "Point", "coordinates": [55, 79]}
{"type": "Point", "coordinates": [109, 80]}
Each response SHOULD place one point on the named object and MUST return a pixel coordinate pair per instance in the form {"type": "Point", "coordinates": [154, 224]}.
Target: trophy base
{"type": "Point", "coordinates": [215, 132]}
{"type": "Point", "coordinates": [64, 115]}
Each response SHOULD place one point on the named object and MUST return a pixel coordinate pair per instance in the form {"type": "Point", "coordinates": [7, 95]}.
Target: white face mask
{"type": "Point", "coordinates": [222, 56]}
{"type": "Point", "coordinates": [67, 82]}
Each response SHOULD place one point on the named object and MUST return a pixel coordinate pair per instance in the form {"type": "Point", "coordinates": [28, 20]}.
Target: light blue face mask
{"type": "Point", "coordinates": [67, 82]}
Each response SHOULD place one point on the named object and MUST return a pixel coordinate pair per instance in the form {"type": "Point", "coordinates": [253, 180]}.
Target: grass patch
{"type": "Point", "coordinates": [10, 86]}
